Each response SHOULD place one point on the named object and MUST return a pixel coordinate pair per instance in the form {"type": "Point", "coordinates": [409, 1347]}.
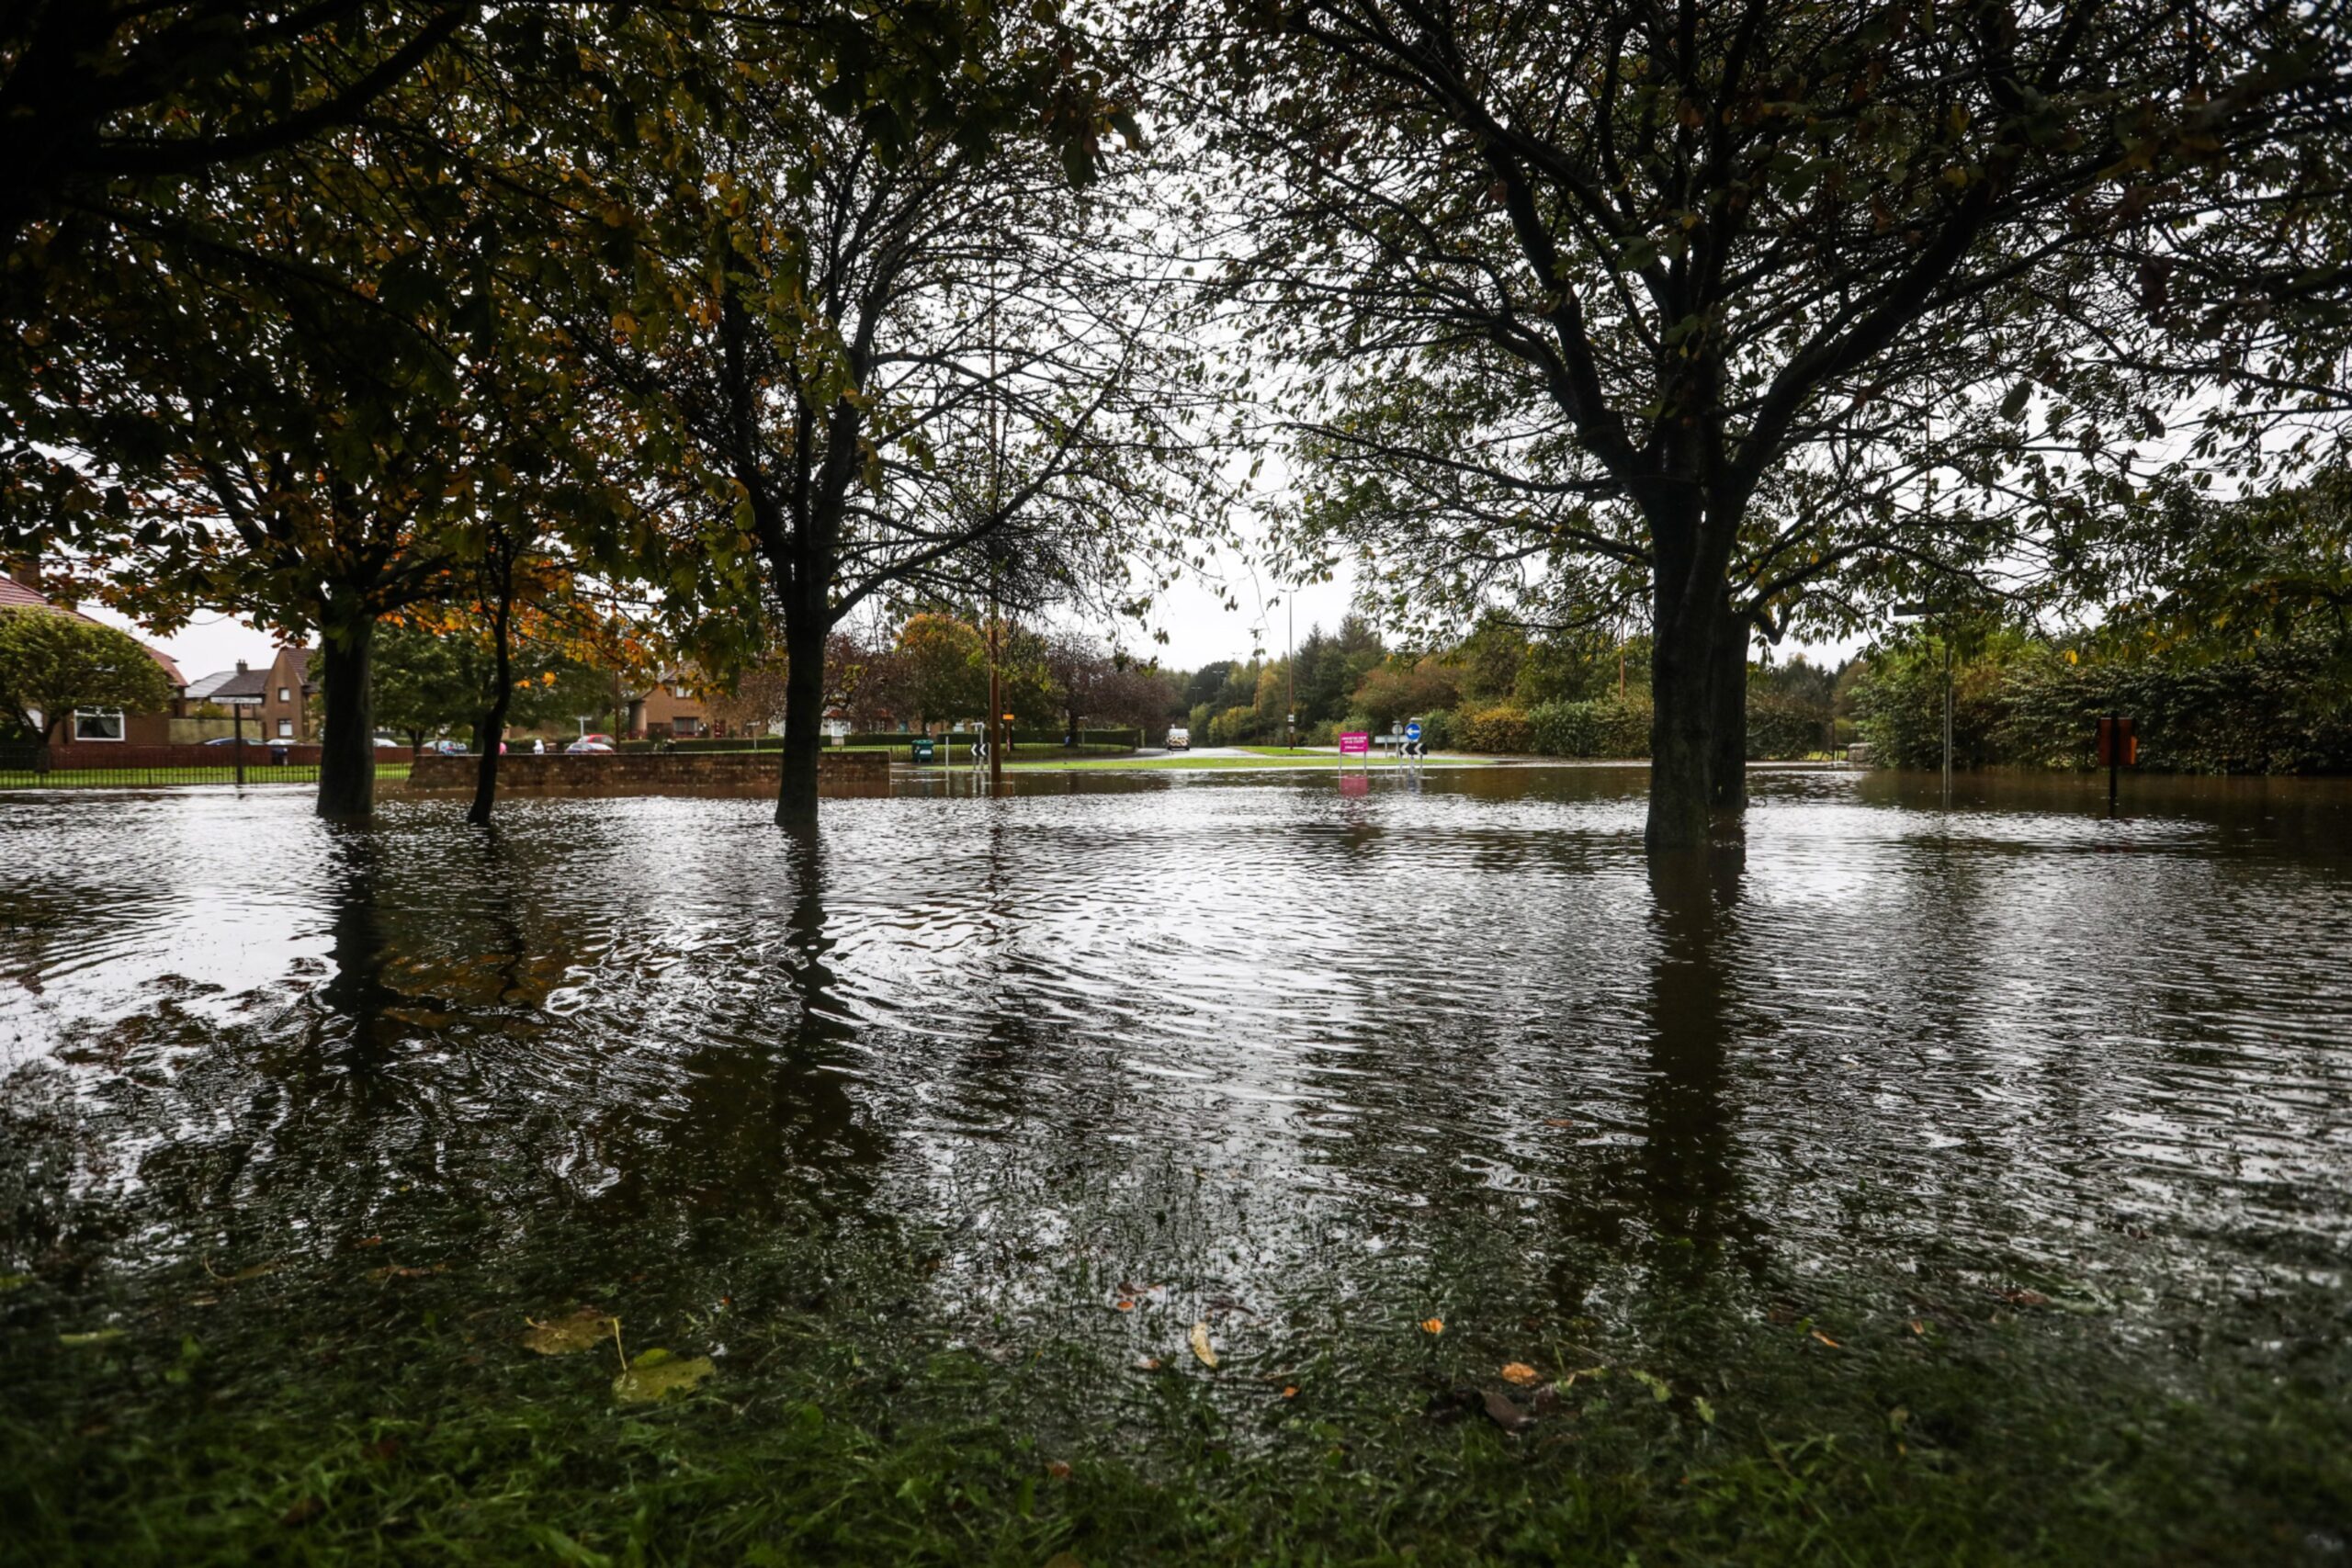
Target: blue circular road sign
{"type": "Point", "coordinates": [1413, 730]}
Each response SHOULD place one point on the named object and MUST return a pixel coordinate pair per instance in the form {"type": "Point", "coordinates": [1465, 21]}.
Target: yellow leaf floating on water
{"type": "Point", "coordinates": [1520, 1373]}
{"type": "Point", "coordinates": [562, 1335]}
{"type": "Point", "coordinates": [1201, 1343]}
{"type": "Point", "coordinates": [656, 1374]}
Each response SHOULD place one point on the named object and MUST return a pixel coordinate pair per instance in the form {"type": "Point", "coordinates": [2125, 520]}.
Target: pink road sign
{"type": "Point", "coordinates": [1355, 743]}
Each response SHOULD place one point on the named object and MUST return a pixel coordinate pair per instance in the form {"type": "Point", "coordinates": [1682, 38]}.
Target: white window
{"type": "Point", "coordinates": [97, 724]}
{"type": "Point", "coordinates": [285, 728]}
{"type": "Point", "coordinates": [285, 695]}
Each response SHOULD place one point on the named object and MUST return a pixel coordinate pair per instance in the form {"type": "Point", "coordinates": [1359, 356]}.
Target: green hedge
{"type": "Point", "coordinates": [2283, 707]}
{"type": "Point", "coordinates": [1604, 727]}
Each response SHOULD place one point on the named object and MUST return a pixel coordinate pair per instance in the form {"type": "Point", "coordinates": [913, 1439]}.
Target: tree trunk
{"type": "Point", "coordinates": [1681, 723]}
{"type": "Point", "coordinates": [1727, 773]}
{"type": "Point", "coordinates": [804, 717]}
{"type": "Point", "coordinates": [493, 723]}
{"type": "Point", "coordinates": [347, 740]}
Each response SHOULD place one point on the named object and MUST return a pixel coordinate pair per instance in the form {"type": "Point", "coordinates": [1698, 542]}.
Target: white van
{"type": "Point", "coordinates": [1180, 739]}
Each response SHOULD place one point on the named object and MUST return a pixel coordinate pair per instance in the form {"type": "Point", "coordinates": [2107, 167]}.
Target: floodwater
{"type": "Point", "coordinates": [1281, 1050]}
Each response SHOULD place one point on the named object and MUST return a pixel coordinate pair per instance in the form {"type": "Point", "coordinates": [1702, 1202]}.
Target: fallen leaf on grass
{"type": "Point", "coordinates": [657, 1374]}
{"type": "Point", "coordinates": [395, 1271]}
{"type": "Point", "coordinates": [1557, 1121]}
{"type": "Point", "coordinates": [1432, 1326]}
{"type": "Point", "coordinates": [581, 1330]}
{"type": "Point", "coordinates": [2024, 1298]}
{"type": "Point", "coordinates": [1058, 1469]}
{"type": "Point", "coordinates": [1290, 1390]}
{"type": "Point", "coordinates": [1148, 1363]}
{"type": "Point", "coordinates": [1520, 1373]}
{"type": "Point", "coordinates": [1825, 1339]}
{"type": "Point", "coordinates": [1201, 1347]}
{"type": "Point", "coordinates": [1918, 1326]}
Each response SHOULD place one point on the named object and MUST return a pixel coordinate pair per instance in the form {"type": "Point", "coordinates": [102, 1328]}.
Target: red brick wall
{"type": "Point", "coordinates": [739, 774]}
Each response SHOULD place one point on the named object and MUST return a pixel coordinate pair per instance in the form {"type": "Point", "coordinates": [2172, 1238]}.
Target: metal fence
{"type": "Point", "coordinates": [88, 766]}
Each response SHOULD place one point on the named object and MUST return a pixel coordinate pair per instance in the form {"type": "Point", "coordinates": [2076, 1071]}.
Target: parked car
{"type": "Point", "coordinates": [445, 748]}
{"type": "Point", "coordinates": [390, 743]}
{"type": "Point", "coordinates": [590, 744]}
{"type": "Point", "coordinates": [1180, 739]}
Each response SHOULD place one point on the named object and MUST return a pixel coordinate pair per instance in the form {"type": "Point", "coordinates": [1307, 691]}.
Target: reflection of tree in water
{"type": "Point", "coordinates": [763, 1123]}
{"type": "Point", "coordinates": [1690, 1186]}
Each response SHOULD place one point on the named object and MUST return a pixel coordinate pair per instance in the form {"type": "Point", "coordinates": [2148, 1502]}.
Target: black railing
{"type": "Point", "coordinates": [87, 766]}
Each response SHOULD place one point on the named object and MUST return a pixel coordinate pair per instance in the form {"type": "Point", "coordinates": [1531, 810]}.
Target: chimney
{"type": "Point", "coordinates": [241, 666]}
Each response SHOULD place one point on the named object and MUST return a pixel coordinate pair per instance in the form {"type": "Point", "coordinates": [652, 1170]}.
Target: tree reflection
{"type": "Point", "coordinates": [1690, 1178]}
{"type": "Point", "coordinates": [764, 1123]}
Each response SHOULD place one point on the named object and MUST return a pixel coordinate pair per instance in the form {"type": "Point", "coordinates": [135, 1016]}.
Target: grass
{"type": "Point", "coordinates": [334, 1410]}
{"type": "Point", "coordinates": [1259, 758]}
{"type": "Point", "coordinates": [145, 778]}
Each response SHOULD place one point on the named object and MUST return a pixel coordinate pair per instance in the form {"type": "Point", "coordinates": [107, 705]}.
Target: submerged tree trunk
{"type": "Point", "coordinates": [1681, 752]}
{"type": "Point", "coordinates": [804, 717]}
{"type": "Point", "coordinates": [347, 740]}
{"type": "Point", "coordinates": [493, 723]}
{"type": "Point", "coordinates": [1727, 772]}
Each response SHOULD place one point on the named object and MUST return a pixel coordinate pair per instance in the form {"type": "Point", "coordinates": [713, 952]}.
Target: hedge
{"type": "Point", "coordinates": [1500, 728]}
{"type": "Point", "coordinates": [1604, 727]}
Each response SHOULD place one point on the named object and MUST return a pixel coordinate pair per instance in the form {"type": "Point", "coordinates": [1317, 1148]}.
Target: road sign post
{"type": "Point", "coordinates": [2118, 748]}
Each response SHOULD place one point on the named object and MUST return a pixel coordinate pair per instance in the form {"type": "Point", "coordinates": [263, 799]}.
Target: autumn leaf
{"type": "Point", "coordinates": [1201, 1347]}
{"type": "Point", "coordinates": [656, 1374]}
{"type": "Point", "coordinates": [1432, 1326]}
{"type": "Point", "coordinates": [562, 1335]}
{"type": "Point", "coordinates": [1520, 1373]}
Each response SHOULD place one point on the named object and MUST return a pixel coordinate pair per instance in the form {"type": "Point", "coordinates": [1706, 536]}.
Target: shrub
{"type": "Point", "coordinates": [1440, 729]}
{"type": "Point", "coordinates": [1604, 727]}
{"type": "Point", "coordinates": [1498, 729]}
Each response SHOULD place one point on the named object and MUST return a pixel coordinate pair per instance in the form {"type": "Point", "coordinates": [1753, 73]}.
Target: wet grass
{"type": "Point", "coordinates": [344, 1410]}
{"type": "Point", "coordinates": [1259, 758]}
{"type": "Point", "coordinates": [165, 778]}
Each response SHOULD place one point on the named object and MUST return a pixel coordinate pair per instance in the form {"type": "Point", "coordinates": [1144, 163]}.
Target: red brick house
{"type": "Point", "coordinates": [669, 707]}
{"type": "Point", "coordinates": [20, 590]}
{"type": "Point", "coordinates": [275, 699]}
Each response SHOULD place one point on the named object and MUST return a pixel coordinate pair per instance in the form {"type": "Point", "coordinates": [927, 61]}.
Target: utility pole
{"type": "Point", "coordinates": [1947, 718]}
{"type": "Point", "coordinates": [996, 498]}
{"type": "Point", "coordinates": [1290, 675]}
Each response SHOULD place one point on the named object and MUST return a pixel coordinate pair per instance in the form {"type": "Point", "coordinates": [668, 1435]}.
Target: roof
{"type": "Point", "coordinates": [242, 686]}
{"type": "Point", "coordinates": [14, 595]}
{"type": "Point", "coordinates": [203, 686]}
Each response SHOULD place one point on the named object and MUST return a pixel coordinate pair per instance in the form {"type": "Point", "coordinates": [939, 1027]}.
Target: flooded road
{"type": "Point", "coordinates": [1313, 1064]}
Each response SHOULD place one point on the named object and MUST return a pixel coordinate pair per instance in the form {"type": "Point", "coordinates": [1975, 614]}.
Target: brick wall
{"type": "Point", "coordinates": [745, 774]}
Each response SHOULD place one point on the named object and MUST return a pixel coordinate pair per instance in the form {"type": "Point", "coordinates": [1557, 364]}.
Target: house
{"type": "Point", "coordinates": [20, 590]}
{"type": "Point", "coordinates": [275, 699]}
{"type": "Point", "coordinates": [669, 707]}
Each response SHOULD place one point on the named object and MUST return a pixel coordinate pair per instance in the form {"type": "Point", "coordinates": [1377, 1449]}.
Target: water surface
{"type": "Point", "coordinates": [1309, 1060]}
